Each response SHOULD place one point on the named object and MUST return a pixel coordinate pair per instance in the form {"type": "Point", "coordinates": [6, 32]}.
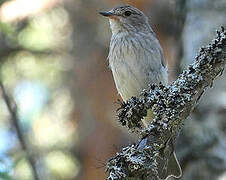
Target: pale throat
{"type": "Point", "coordinates": [115, 26]}
{"type": "Point", "coordinates": [118, 27]}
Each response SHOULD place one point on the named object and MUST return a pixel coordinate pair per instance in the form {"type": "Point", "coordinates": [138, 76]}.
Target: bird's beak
{"type": "Point", "coordinates": [108, 14]}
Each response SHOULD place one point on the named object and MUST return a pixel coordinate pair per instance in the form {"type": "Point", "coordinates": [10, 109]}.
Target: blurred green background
{"type": "Point", "coordinates": [53, 66]}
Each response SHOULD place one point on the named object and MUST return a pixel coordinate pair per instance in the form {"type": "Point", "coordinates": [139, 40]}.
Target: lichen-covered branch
{"type": "Point", "coordinates": [171, 105]}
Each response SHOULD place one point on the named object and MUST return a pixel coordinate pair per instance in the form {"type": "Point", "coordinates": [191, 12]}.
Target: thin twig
{"type": "Point", "coordinates": [12, 108]}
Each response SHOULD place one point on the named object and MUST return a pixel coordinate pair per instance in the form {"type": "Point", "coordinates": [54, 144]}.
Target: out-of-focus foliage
{"type": "Point", "coordinates": [33, 61]}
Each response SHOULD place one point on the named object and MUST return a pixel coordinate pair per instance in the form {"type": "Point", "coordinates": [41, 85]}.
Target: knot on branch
{"type": "Point", "coordinates": [131, 112]}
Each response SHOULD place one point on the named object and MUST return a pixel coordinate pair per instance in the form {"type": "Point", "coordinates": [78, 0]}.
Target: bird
{"type": "Point", "coordinates": [135, 56]}
{"type": "Point", "coordinates": [136, 61]}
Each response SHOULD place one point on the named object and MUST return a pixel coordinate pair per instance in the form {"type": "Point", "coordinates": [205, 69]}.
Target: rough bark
{"type": "Point", "coordinates": [171, 105]}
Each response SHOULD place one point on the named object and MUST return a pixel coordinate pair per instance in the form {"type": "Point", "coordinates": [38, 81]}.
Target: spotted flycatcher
{"type": "Point", "coordinates": [136, 61]}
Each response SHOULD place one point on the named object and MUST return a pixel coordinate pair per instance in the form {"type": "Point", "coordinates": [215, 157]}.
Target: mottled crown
{"type": "Point", "coordinates": [126, 10]}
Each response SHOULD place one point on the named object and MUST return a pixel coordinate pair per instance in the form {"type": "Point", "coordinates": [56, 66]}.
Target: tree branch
{"type": "Point", "coordinates": [171, 105]}
{"type": "Point", "coordinates": [15, 121]}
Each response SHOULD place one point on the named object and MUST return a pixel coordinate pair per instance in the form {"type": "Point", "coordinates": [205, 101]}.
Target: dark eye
{"type": "Point", "coordinates": [127, 13]}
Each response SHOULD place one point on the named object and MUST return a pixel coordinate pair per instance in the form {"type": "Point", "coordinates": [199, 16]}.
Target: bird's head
{"type": "Point", "coordinates": [126, 18]}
